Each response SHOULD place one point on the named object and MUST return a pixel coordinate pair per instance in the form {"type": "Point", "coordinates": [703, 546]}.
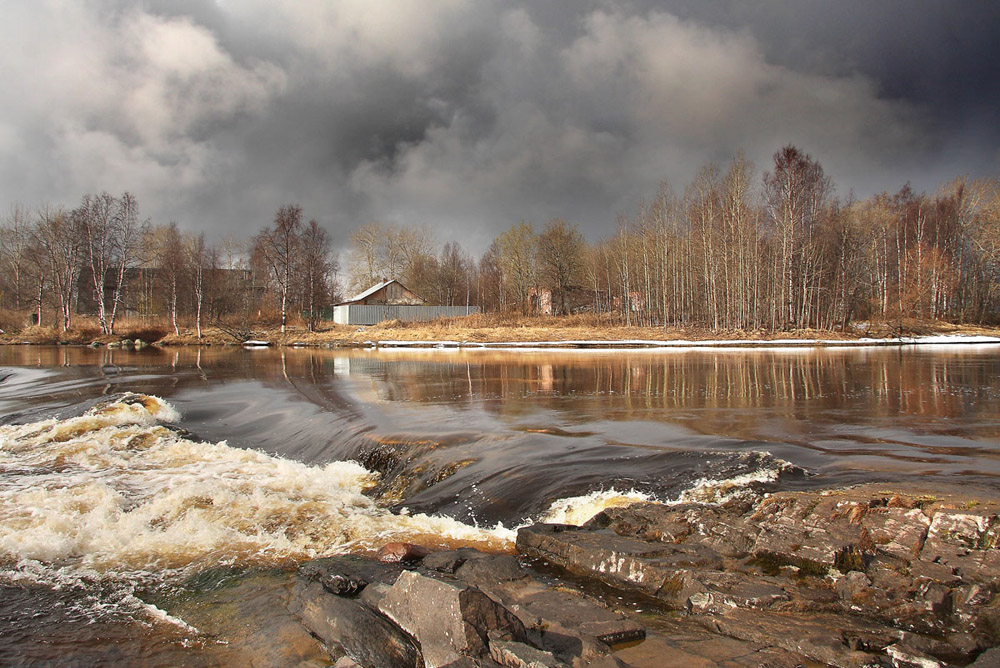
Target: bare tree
{"type": "Point", "coordinates": [364, 269]}
{"type": "Point", "coordinates": [317, 265]}
{"type": "Point", "coordinates": [795, 194]}
{"type": "Point", "coordinates": [60, 244]}
{"type": "Point", "coordinates": [560, 258]}
{"type": "Point", "coordinates": [277, 248]}
{"type": "Point", "coordinates": [518, 246]}
{"type": "Point", "coordinates": [453, 275]}
{"type": "Point", "coordinates": [95, 220]}
{"type": "Point", "coordinates": [198, 255]}
{"type": "Point", "coordinates": [167, 246]}
{"type": "Point", "coordinates": [15, 243]}
{"type": "Point", "coordinates": [127, 237]}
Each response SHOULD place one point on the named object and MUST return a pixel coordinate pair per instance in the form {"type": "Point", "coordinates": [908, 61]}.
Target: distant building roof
{"type": "Point", "coordinates": [394, 293]}
{"type": "Point", "coordinates": [370, 291]}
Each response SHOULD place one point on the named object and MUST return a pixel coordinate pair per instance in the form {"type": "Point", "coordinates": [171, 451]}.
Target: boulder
{"type": "Point", "coordinates": [490, 569]}
{"type": "Point", "coordinates": [512, 654]}
{"type": "Point", "coordinates": [448, 620]}
{"type": "Point", "coordinates": [367, 637]}
{"type": "Point", "coordinates": [405, 553]}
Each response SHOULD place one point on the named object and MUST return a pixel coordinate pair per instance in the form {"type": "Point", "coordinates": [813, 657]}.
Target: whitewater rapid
{"type": "Point", "coordinates": [115, 490]}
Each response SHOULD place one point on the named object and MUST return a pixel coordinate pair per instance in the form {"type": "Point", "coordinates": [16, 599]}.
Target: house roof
{"type": "Point", "coordinates": [375, 288]}
{"type": "Point", "coordinates": [370, 291]}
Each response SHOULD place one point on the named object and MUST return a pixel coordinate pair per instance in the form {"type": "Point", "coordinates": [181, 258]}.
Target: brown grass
{"type": "Point", "coordinates": [478, 328]}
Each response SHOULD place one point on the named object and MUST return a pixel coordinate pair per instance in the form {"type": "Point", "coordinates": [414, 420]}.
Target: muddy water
{"type": "Point", "coordinates": [263, 458]}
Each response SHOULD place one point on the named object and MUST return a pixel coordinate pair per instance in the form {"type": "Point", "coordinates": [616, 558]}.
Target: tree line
{"type": "Point", "coordinates": [103, 259]}
{"type": "Point", "coordinates": [737, 249]}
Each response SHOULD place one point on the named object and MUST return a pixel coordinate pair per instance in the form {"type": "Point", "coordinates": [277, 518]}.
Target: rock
{"type": "Point", "coordinates": [514, 654]}
{"type": "Point", "coordinates": [905, 561]}
{"type": "Point", "coordinates": [407, 553]}
{"type": "Point", "coordinates": [246, 618]}
{"type": "Point", "coordinates": [490, 569]}
{"type": "Point", "coordinates": [139, 343]}
{"type": "Point", "coordinates": [852, 585]}
{"type": "Point", "coordinates": [367, 637]}
{"type": "Point", "coordinates": [469, 662]}
{"type": "Point", "coordinates": [908, 658]}
{"type": "Point", "coordinates": [988, 659]}
{"type": "Point", "coordinates": [346, 662]}
{"type": "Point", "coordinates": [663, 571]}
{"type": "Point", "coordinates": [448, 561]}
{"type": "Point", "coordinates": [572, 624]}
{"type": "Point", "coordinates": [817, 637]}
{"type": "Point", "coordinates": [448, 620]}
{"type": "Point", "coordinates": [347, 575]}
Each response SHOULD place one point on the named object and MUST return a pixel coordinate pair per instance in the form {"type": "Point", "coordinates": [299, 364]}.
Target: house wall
{"type": "Point", "coordinates": [371, 314]}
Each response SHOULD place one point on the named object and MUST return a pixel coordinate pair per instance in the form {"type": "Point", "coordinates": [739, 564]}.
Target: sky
{"type": "Point", "coordinates": [468, 117]}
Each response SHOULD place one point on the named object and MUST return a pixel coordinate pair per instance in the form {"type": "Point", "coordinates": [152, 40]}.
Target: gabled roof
{"type": "Point", "coordinates": [375, 288]}
{"type": "Point", "coordinates": [370, 291]}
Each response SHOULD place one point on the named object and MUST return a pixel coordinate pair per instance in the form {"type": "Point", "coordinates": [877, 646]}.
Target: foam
{"type": "Point", "coordinates": [115, 493]}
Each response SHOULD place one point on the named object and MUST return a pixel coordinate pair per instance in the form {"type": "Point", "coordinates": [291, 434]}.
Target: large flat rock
{"type": "Point", "coordinates": [912, 565]}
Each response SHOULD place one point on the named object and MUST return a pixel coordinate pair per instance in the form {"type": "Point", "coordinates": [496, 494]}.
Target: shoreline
{"type": "Point", "coordinates": [502, 331]}
{"type": "Point", "coordinates": [939, 340]}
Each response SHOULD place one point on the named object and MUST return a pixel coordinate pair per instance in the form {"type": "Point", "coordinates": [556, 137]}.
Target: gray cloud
{"type": "Point", "coordinates": [469, 116]}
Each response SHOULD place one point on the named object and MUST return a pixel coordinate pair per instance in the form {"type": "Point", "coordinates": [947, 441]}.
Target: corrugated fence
{"type": "Point", "coordinates": [356, 314]}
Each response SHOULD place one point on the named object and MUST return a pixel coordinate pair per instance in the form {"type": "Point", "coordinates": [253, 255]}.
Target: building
{"type": "Point", "coordinates": [391, 300]}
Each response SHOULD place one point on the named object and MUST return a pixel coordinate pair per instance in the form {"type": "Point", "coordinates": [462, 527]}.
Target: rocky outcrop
{"type": "Point", "coordinates": [850, 577]}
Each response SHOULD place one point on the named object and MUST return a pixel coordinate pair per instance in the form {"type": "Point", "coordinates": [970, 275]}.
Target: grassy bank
{"type": "Point", "coordinates": [482, 328]}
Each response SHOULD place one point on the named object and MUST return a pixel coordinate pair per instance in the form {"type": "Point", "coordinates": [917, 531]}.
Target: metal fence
{"type": "Point", "coordinates": [356, 314]}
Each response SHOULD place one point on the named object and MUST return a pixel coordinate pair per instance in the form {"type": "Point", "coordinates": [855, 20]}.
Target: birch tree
{"type": "Point", "coordinates": [277, 248]}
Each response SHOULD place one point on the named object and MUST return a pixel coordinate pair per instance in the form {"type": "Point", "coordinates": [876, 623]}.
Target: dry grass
{"type": "Point", "coordinates": [479, 328]}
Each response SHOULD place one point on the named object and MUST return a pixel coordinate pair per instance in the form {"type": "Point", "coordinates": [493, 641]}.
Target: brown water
{"type": "Point", "coordinates": [458, 440]}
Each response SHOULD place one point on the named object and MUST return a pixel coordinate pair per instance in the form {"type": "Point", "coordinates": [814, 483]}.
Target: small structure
{"type": "Point", "coordinates": [391, 300]}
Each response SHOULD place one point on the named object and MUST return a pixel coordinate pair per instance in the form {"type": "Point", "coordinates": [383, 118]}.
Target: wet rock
{"type": "Point", "coordinates": [469, 662]}
{"type": "Point", "coordinates": [367, 637]}
{"type": "Point", "coordinates": [908, 658]}
{"type": "Point", "coordinates": [569, 624]}
{"type": "Point", "coordinates": [245, 614]}
{"type": "Point", "coordinates": [490, 569]}
{"type": "Point", "coordinates": [448, 561]}
{"type": "Point", "coordinates": [817, 637]}
{"type": "Point", "coordinates": [448, 619]}
{"type": "Point", "coordinates": [907, 561]}
{"type": "Point", "coordinates": [988, 659]}
{"type": "Point", "coordinates": [660, 570]}
{"type": "Point", "coordinates": [514, 654]}
{"type": "Point", "coordinates": [347, 575]}
{"type": "Point", "coordinates": [407, 553]}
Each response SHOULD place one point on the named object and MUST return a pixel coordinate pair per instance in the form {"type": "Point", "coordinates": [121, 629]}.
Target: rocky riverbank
{"type": "Point", "coordinates": [899, 576]}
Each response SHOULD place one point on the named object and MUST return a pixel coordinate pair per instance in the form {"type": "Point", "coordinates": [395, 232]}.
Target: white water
{"type": "Point", "coordinates": [113, 495]}
{"type": "Point", "coordinates": [113, 492]}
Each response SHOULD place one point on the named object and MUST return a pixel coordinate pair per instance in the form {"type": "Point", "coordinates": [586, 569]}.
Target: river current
{"type": "Point", "coordinates": [257, 459]}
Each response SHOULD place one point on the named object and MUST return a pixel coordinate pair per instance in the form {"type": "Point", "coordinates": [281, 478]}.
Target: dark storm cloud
{"type": "Point", "coordinates": [471, 116]}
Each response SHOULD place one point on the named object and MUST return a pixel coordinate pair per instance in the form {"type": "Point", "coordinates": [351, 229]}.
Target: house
{"type": "Point", "coordinates": [391, 300]}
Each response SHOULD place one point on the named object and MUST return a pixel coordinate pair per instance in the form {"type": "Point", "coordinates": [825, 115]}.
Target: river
{"type": "Point", "coordinates": [262, 458]}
